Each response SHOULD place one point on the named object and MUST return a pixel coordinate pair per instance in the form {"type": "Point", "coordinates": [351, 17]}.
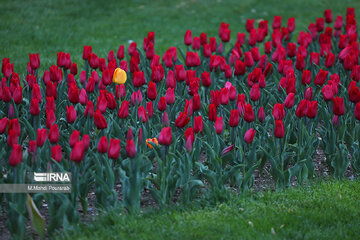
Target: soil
{"type": "Point", "coordinates": [262, 181]}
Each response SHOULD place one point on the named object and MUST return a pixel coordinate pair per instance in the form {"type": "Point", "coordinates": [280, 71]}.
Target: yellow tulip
{"type": "Point", "coordinates": [119, 76]}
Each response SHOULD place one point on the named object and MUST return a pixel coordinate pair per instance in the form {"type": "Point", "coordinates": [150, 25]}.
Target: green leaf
{"type": "Point", "coordinates": [37, 221]}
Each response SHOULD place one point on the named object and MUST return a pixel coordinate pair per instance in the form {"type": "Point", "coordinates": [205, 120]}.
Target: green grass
{"type": "Point", "coordinates": [327, 210]}
{"type": "Point", "coordinates": [50, 26]}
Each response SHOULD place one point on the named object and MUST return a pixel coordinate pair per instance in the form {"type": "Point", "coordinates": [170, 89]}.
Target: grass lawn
{"type": "Point", "coordinates": [327, 210]}
{"type": "Point", "coordinates": [50, 26]}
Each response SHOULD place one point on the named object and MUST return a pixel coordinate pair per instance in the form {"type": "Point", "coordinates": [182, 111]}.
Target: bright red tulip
{"type": "Point", "coordinates": [338, 106]}
{"type": "Point", "coordinates": [16, 155]}
{"type": "Point", "coordinates": [278, 111]}
{"type": "Point", "coordinates": [103, 144]}
{"type": "Point", "coordinates": [70, 114]}
{"type": "Point", "coordinates": [130, 148]}
{"type": "Point", "coordinates": [249, 114]}
{"type": "Point", "coordinates": [301, 109]}
{"type": "Point", "coordinates": [198, 124]}
{"type": "Point", "coordinates": [74, 138]}
{"type": "Point", "coordinates": [142, 114]}
{"type": "Point", "coordinates": [3, 124]}
{"type": "Point", "coordinates": [234, 118]}
{"type": "Point", "coordinates": [182, 120]}
{"type": "Point", "coordinates": [77, 153]}
{"type": "Point", "coordinates": [54, 133]}
{"type": "Point", "coordinates": [151, 91]}
{"type": "Point", "coordinates": [312, 109]}
{"type": "Point", "coordinates": [289, 101]}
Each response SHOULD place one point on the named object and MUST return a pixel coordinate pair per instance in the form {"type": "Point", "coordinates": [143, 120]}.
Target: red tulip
{"type": "Point", "coordinates": [301, 109]}
{"type": "Point", "coordinates": [289, 101]}
{"type": "Point", "coordinates": [249, 115]}
{"type": "Point", "coordinates": [165, 119]}
{"type": "Point", "coordinates": [170, 80]}
{"type": "Point", "coordinates": [83, 99]}
{"type": "Point", "coordinates": [227, 149]}
{"type": "Point", "coordinates": [142, 114]}
{"type": "Point", "coordinates": [312, 109]}
{"type": "Point", "coordinates": [170, 96]}
{"type": "Point", "coordinates": [188, 38]}
{"type": "Point", "coordinates": [103, 144]}
{"type": "Point", "coordinates": [56, 153]}
{"type": "Point", "coordinates": [32, 146]}
{"type": "Point", "coordinates": [165, 137]}
{"type": "Point", "coordinates": [114, 149]}
{"type": "Point", "coordinates": [41, 137]}
{"type": "Point", "coordinates": [94, 61]}
{"type": "Point", "coordinates": [150, 109]}
{"type": "Point", "coordinates": [3, 124]}
{"type": "Point", "coordinates": [124, 109]}
{"type": "Point", "coordinates": [50, 118]}
{"type": "Point", "coordinates": [182, 119]}
{"type": "Point", "coordinates": [255, 92]}
{"type": "Point", "coordinates": [100, 121]}
{"type": "Point", "coordinates": [249, 136]}
{"type": "Point", "coordinates": [192, 59]}
{"type": "Point", "coordinates": [327, 92]}
{"type": "Point", "coordinates": [308, 93]}
{"type": "Point", "coordinates": [278, 111]}
{"type": "Point", "coordinates": [321, 77]}
{"type": "Point", "coordinates": [130, 148]}
{"type": "Point", "coordinates": [357, 111]}
{"type": "Point", "coordinates": [328, 16]}
{"type": "Point", "coordinates": [261, 114]}
{"type": "Point", "coordinates": [73, 69]}
{"type": "Point", "coordinates": [330, 60]}
{"type": "Point", "coordinates": [77, 153]}
{"type": "Point", "coordinates": [16, 155]}
{"type": "Point", "coordinates": [73, 93]}
{"type": "Point", "coordinates": [234, 118]}
{"type": "Point", "coordinates": [89, 110]}
{"type": "Point", "coordinates": [157, 73]}
{"type": "Point", "coordinates": [74, 138]}
{"type": "Point", "coordinates": [276, 22]}
{"type": "Point", "coordinates": [338, 106]}
{"type": "Point", "coordinates": [86, 52]}
{"type": "Point", "coordinates": [54, 133]}
{"type": "Point", "coordinates": [162, 104]}
{"type": "Point", "coordinates": [279, 131]}
{"type": "Point", "coordinates": [151, 91]}
{"type": "Point", "coordinates": [70, 114]}
{"type": "Point", "coordinates": [34, 107]}
{"type": "Point", "coordinates": [189, 134]}
{"type": "Point", "coordinates": [354, 92]}
{"type": "Point", "coordinates": [198, 124]}
{"type": "Point", "coordinates": [34, 61]}
{"type": "Point", "coordinates": [224, 96]}
{"type": "Point", "coordinates": [196, 43]}
{"type": "Point", "coordinates": [120, 53]}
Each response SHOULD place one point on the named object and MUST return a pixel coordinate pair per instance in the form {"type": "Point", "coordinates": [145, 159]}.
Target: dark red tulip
{"type": "Point", "coordinates": [170, 80]}
{"type": "Point", "coordinates": [165, 137]}
{"type": "Point", "coordinates": [100, 121]}
{"type": "Point", "coordinates": [278, 111]}
{"type": "Point", "coordinates": [357, 111]}
{"type": "Point", "coordinates": [321, 77]}
{"type": "Point", "coordinates": [12, 138]}
{"type": "Point", "coordinates": [301, 108]}
{"type": "Point", "coordinates": [102, 103]}
{"type": "Point", "coordinates": [255, 93]}
{"type": "Point", "coordinates": [103, 144]}
{"type": "Point", "coordinates": [196, 102]}
{"type": "Point", "coordinates": [308, 93]}
{"type": "Point", "coordinates": [157, 73]}
{"type": "Point", "coordinates": [279, 130]}
{"type": "Point", "coordinates": [306, 77]}
{"type": "Point", "coordinates": [249, 115]}
{"type": "Point", "coordinates": [8, 70]}
{"type": "Point", "coordinates": [212, 112]}
{"type": "Point", "coordinates": [73, 69]}
{"type": "Point", "coordinates": [86, 141]}
{"type": "Point", "coordinates": [89, 110]}
{"type": "Point", "coordinates": [312, 109]}
{"type": "Point", "coordinates": [114, 149]}
{"type": "Point", "coordinates": [289, 101]}
{"type": "Point", "coordinates": [330, 60]}
{"type": "Point", "coordinates": [205, 79]}
{"type": "Point", "coordinates": [17, 95]}
{"type": "Point", "coordinates": [227, 149]}
{"type": "Point", "coordinates": [198, 124]}
{"type": "Point", "coordinates": [150, 109]}
{"type": "Point", "coordinates": [86, 52]}
{"type": "Point", "coordinates": [276, 22]}
{"type": "Point", "coordinates": [192, 59]}
{"type": "Point", "coordinates": [34, 60]}
{"type": "Point", "coordinates": [165, 119]}
{"type": "Point", "coordinates": [188, 38]}
{"type": "Point", "coordinates": [224, 96]}
{"type": "Point", "coordinates": [41, 137]}
{"type": "Point", "coordinates": [54, 133]}
{"type": "Point", "coordinates": [130, 148]}
{"type": "Point", "coordinates": [261, 114]}
{"type": "Point", "coordinates": [196, 43]}
{"type": "Point", "coordinates": [34, 107]}
{"type": "Point", "coordinates": [94, 61]}
{"type": "Point", "coordinates": [32, 147]}
{"type": "Point", "coordinates": [50, 118]}
{"type": "Point", "coordinates": [182, 120]}
{"type": "Point", "coordinates": [77, 153]}
{"type": "Point", "coordinates": [234, 118]}
{"type": "Point", "coordinates": [142, 114]}
{"type": "Point", "coordinates": [300, 62]}
{"type": "Point", "coordinates": [16, 155]}
{"type": "Point", "coordinates": [73, 93]}
{"type": "Point", "coordinates": [120, 53]}
{"type": "Point", "coordinates": [328, 16]}
{"type": "Point", "coordinates": [151, 91]}
{"type": "Point", "coordinates": [338, 106]}
{"type": "Point", "coordinates": [180, 73]}
{"type": "Point", "coordinates": [74, 138]}
{"type": "Point", "coordinates": [56, 153]}
{"type": "Point", "coordinates": [71, 114]}
{"type": "Point", "coordinates": [354, 92]}
{"type": "Point", "coordinates": [249, 136]}
{"type": "Point", "coordinates": [170, 96]}
{"type": "Point", "coordinates": [3, 124]}
{"type": "Point", "coordinates": [162, 104]}
{"type": "Point", "coordinates": [327, 92]}
{"type": "Point", "coordinates": [124, 109]}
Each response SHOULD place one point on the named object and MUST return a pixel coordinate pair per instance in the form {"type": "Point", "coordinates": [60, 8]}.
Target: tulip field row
{"type": "Point", "coordinates": [195, 120]}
